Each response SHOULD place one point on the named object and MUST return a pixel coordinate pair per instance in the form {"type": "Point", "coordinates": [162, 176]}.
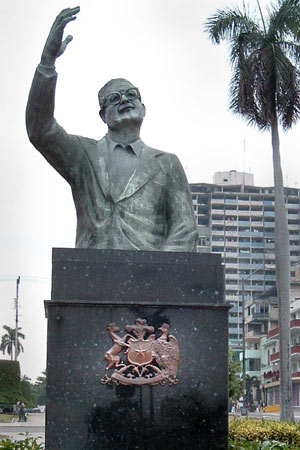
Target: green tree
{"type": "Point", "coordinates": [26, 389]}
{"type": "Point", "coordinates": [39, 388]}
{"type": "Point", "coordinates": [234, 381]}
{"type": "Point", "coordinates": [265, 90]}
{"type": "Point", "coordinates": [8, 341]}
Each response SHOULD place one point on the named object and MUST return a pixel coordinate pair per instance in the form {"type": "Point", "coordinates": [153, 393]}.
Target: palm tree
{"type": "Point", "coordinates": [8, 341]}
{"type": "Point", "coordinates": [251, 382]}
{"type": "Point", "coordinates": [265, 90]}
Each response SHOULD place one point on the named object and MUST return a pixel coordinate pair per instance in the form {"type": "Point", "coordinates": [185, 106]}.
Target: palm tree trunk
{"type": "Point", "coordinates": [282, 262]}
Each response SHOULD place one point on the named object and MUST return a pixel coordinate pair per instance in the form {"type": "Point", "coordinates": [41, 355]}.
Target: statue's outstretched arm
{"type": "Point", "coordinates": [57, 146]}
{"type": "Point", "coordinates": [55, 45]}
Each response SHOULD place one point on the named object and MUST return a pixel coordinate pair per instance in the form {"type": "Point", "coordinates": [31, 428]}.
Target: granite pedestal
{"type": "Point", "coordinates": [93, 288]}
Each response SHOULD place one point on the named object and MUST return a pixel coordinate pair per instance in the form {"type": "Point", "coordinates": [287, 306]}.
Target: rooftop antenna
{"type": "Point", "coordinates": [17, 318]}
{"type": "Point", "coordinates": [244, 160]}
{"type": "Point", "coordinates": [244, 7]}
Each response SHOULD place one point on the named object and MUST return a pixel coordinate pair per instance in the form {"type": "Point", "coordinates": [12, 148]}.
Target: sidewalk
{"type": "Point", "coordinates": [35, 426]}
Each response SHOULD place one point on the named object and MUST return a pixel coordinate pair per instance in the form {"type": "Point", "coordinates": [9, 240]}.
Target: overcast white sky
{"type": "Point", "coordinates": [161, 47]}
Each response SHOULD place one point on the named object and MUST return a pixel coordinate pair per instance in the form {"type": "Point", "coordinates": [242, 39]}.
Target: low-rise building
{"type": "Point", "coordinates": [262, 343]}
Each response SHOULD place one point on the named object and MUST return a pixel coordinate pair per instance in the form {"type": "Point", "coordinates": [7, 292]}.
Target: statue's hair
{"type": "Point", "coordinates": [102, 92]}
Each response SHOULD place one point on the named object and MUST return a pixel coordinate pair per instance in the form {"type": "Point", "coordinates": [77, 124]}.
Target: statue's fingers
{"type": "Point", "coordinates": [64, 45]}
{"type": "Point", "coordinates": [68, 12]}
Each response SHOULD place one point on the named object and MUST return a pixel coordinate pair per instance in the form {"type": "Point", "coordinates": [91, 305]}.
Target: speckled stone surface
{"type": "Point", "coordinates": [84, 414]}
{"type": "Point", "coordinates": [136, 276]}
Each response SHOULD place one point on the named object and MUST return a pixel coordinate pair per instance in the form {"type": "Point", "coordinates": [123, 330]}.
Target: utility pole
{"type": "Point", "coordinates": [17, 318]}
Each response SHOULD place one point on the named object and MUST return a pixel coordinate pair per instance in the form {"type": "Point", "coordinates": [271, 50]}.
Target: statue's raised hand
{"type": "Point", "coordinates": [55, 45]}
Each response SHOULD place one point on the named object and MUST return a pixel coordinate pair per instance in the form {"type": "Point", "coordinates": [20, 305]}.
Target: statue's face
{"type": "Point", "coordinates": [127, 110]}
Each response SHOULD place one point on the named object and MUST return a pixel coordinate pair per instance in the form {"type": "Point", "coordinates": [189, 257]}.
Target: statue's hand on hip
{"type": "Point", "coordinates": [55, 45]}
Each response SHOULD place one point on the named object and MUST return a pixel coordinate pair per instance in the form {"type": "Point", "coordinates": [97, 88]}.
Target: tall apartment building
{"type": "Point", "coordinates": [237, 219]}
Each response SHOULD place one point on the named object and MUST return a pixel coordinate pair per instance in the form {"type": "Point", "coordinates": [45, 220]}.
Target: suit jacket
{"type": "Point", "coordinates": [154, 212]}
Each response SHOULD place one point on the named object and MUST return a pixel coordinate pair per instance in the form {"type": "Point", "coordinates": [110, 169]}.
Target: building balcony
{"type": "Point", "coordinates": [217, 201]}
{"type": "Point", "coordinates": [253, 336]}
{"type": "Point", "coordinates": [257, 317]}
{"type": "Point", "coordinates": [244, 242]}
{"type": "Point", "coordinates": [256, 219]}
{"type": "Point", "coordinates": [230, 233]}
{"type": "Point", "coordinates": [293, 226]}
{"type": "Point", "coordinates": [231, 298]}
{"type": "Point", "coordinates": [234, 308]}
{"type": "Point", "coordinates": [270, 234]}
{"type": "Point", "coordinates": [230, 223]}
{"type": "Point", "coordinates": [257, 288]}
{"type": "Point", "coordinates": [295, 351]}
{"type": "Point", "coordinates": [269, 245]}
{"type": "Point", "coordinates": [294, 258]}
{"type": "Point", "coordinates": [244, 213]}
{"type": "Point", "coordinates": [234, 319]}
{"type": "Point", "coordinates": [233, 330]}
{"type": "Point", "coordinates": [218, 232]}
{"type": "Point", "coordinates": [230, 244]}
{"type": "Point", "coordinates": [269, 224]}
{"type": "Point", "coordinates": [256, 202]}
{"type": "Point", "coordinates": [244, 254]}
{"type": "Point", "coordinates": [270, 277]}
{"type": "Point", "coordinates": [273, 333]}
{"type": "Point", "coordinates": [250, 266]}
{"type": "Point", "coordinates": [271, 376]}
{"type": "Point", "coordinates": [231, 252]}
{"type": "Point", "coordinates": [257, 277]}
{"type": "Point", "coordinates": [231, 287]}
{"type": "Point", "coordinates": [257, 245]}
{"type": "Point", "coordinates": [295, 326]}
{"type": "Point", "coordinates": [232, 276]}
{"type": "Point", "coordinates": [275, 357]}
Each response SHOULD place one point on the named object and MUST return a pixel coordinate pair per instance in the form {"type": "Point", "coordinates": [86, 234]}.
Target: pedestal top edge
{"type": "Point", "coordinates": [135, 256]}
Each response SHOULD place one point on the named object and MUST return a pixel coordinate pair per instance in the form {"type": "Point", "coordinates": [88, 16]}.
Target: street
{"type": "Point", "coordinates": [268, 416]}
{"type": "Point", "coordinates": [35, 426]}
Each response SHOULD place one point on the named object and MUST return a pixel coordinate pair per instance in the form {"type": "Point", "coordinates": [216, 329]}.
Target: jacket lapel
{"type": "Point", "coordinates": [100, 163]}
{"type": "Point", "coordinates": [146, 169]}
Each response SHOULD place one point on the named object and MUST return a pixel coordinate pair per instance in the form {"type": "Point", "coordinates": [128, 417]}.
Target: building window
{"type": "Point", "coordinates": [201, 241]}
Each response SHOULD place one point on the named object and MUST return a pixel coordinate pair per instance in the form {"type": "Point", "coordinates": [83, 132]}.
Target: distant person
{"type": "Point", "coordinates": [127, 195]}
{"type": "Point", "coordinates": [21, 411]}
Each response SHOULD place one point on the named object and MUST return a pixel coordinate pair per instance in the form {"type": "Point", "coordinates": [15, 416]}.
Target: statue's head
{"type": "Point", "coordinates": [120, 102]}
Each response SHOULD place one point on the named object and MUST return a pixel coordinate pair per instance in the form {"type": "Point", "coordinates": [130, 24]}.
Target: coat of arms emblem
{"type": "Point", "coordinates": [139, 357]}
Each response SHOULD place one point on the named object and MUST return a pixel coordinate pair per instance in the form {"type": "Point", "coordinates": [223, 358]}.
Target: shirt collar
{"type": "Point", "coordinates": [136, 146]}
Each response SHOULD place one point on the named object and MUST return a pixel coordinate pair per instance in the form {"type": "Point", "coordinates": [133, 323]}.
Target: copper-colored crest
{"type": "Point", "coordinates": [143, 360]}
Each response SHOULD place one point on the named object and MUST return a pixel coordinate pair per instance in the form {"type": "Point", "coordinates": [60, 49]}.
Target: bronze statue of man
{"type": "Point", "coordinates": [127, 195]}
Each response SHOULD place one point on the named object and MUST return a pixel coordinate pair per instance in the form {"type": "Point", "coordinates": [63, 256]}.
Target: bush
{"type": "Point", "coordinates": [242, 444]}
{"type": "Point", "coordinates": [265, 430]}
{"type": "Point", "coordinates": [28, 443]}
{"type": "Point", "coordinates": [10, 385]}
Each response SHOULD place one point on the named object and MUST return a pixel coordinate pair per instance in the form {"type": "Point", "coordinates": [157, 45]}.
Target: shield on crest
{"type": "Point", "coordinates": [139, 352]}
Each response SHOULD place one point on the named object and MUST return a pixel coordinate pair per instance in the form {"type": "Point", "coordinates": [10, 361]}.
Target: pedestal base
{"type": "Point", "coordinates": [82, 412]}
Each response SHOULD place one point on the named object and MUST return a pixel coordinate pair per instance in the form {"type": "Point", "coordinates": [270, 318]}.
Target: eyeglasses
{"type": "Point", "coordinates": [116, 97]}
